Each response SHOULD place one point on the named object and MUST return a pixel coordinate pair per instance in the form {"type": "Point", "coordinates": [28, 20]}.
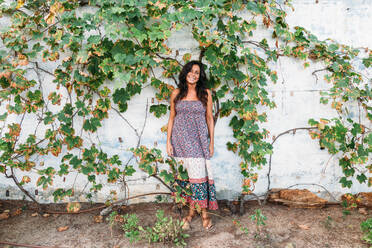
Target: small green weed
{"type": "Point", "coordinates": [131, 228]}
{"type": "Point", "coordinates": [259, 219]}
{"type": "Point", "coordinates": [346, 211]}
{"type": "Point", "coordinates": [166, 229]}
{"type": "Point", "coordinates": [328, 222]}
{"type": "Point", "coordinates": [240, 226]}
{"type": "Point", "coordinates": [366, 227]}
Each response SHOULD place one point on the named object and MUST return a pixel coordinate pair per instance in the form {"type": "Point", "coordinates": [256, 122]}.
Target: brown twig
{"type": "Point", "coordinates": [168, 58]}
{"type": "Point", "coordinates": [20, 186]}
{"type": "Point", "coordinates": [130, 125]}
{"type": "Point", "coordinates": [257, 44]}
{"type": "Point", "coordinates": [315, 184]}
{"type": "Point", "coordinates": [24, 245]}
{"type": "Point", "coordinates": [314, 73]}
{"type": "Point", "coordinates": [241, 199]}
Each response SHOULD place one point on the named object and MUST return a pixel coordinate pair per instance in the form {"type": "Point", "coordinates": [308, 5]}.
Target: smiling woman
{"type": "Point", "coordinates": [190, 124]}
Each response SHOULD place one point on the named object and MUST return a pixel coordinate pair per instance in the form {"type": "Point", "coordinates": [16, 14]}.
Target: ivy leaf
{"type": "Point", "coordinates": [168, 177]}
{"type": "Point", "coordinates": [361, 178]}
{"type": "Point", "coordinates": [186, 57]}
{"type": "Point", "coordinates": [63, 170]}
{"type": "Point", "coordinates": [333, 47]}
{"type": "Point", "coordinates": [129, 170]}
{"type": "Point", "coordinates": [255, 7]}
{"type": "Point", "coordinates": [312, 122]}
{"type": "Point", "coordinates": [368, 139]}
{"type": "Point", "coordinates": [75, 162]}
{"type": "Point", "coordinates": [92, 124]}
{"type": "Point", "coordinates": [121, 97]}
{"type": "Point", "coordinates": [94, 39]}
{"type": "Point", "coordinates": [345, 183]}
{"type": "Point", "coordinates": [367, 62]}
{"type": "Point", "coordinates": [159, 110]}
{"type": "Point", "coordinates": [3, 116]}
{"type": "Point", "coordinates": [356, 129]}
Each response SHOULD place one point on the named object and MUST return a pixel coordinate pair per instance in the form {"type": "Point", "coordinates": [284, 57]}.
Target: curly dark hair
{"type": "Point", "coordinates": [201, 90]}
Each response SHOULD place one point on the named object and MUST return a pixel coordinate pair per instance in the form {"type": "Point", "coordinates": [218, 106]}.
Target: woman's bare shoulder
{"type": "Point", "coordinates": [209, 92]}
{"type": "Point", "coordinates": [175, 92]}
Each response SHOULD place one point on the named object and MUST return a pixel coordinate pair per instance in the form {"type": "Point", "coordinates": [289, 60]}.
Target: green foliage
{"type": "Point", "coordinates": [349, 139]}
{"type": "Point", "coordinates": [131, 228]}
{"type": "Point", "coordinates": [243, 228]}
{"type": "Point", "coordinates": [366, 227]}
{"type": "Point", "coordinates": [328, 222]}
{"type": "Point", "coordinates": [165, 229]}
{"type": "Point", "coordinates": [259, 219]}
{"type": "Point", "coordinates": [150, 160]}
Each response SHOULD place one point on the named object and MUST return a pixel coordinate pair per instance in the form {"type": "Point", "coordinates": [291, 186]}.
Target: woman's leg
{"type": "Point", "coordinates": [186, 220]}
{"type": "Point", "coordinates": [207, 221]}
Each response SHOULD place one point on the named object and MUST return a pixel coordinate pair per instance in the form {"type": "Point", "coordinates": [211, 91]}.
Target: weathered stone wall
{"type": "Point", "coordinates": [297, 158]}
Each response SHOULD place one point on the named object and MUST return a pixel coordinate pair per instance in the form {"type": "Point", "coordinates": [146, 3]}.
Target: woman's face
{"type": "Point", "coordinates": [192, 76]}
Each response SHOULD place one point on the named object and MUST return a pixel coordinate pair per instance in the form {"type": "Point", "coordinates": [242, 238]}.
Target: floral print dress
{"type": "Point", "coordinates": [191, 148]}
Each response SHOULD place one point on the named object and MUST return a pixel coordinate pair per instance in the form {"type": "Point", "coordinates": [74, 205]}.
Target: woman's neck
{"type": "Point", "coordinates": [191, 86]}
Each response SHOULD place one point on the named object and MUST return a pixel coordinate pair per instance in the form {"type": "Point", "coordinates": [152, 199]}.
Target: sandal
{"type": "Point", "coordinates": [207, 223]}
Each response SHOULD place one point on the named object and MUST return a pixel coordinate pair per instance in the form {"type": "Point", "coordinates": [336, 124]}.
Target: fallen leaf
{"type": "Point", "coordinates": [98, 219]}
{"type": "Point", "coordinates": [363, 211]}
{"type": "Point", "coordinates": [4, 216]}
{"type": "Point", "coordinates": [304, 227]}
{"type": "Point", "coordinates": [62, 228]}
{"type": "Point", "coordinates": [73, 207]}
{"type": "Point", "coordinates": [34, 214]}
{"type": "Point", "coordinates": [17, 212]}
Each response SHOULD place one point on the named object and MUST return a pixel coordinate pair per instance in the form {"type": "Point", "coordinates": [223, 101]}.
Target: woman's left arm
{"type": "Point", "coordinates": [210, 122]}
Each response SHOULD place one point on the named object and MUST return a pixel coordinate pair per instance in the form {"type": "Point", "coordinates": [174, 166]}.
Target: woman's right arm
{"type": "Point", "coordinates": [171, 121]}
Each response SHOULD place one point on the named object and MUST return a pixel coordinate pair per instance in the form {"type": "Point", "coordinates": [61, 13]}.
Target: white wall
{"type": "Point", "coordinates": [297, 158]}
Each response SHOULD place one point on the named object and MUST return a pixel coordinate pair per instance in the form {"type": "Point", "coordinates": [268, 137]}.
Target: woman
{"type": "Point", "coordinates": [189, 127]}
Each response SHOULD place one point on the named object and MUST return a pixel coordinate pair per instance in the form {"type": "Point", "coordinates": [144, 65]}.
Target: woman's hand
{"type": "Point", "coordinates": [211, 149]}
{"type": "Point", "coordinates": [169, 149]}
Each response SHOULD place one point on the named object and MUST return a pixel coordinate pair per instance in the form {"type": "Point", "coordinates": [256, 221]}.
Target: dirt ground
{"type": "Point", "coordinates": [285, 227]}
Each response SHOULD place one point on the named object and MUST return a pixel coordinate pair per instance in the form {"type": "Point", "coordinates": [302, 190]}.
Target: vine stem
{"type": "Point", "coordinates": [314, 73]}
{"type": "Point", "coordinates": [121, 116]}
{"type": "Point", "coordinates": [315, 184]}
{"type": "Point", "coordinates": [272, 143]}
{"type": "Point", "coordinates": [20, 186]}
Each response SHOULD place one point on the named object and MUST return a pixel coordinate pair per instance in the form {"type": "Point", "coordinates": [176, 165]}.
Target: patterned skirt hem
{"type": "Point", "coordinates": [211, 205]}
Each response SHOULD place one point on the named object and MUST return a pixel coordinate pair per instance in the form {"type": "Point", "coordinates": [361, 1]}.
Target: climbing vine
{"type": "Point", "coordinates": [69, 65]}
